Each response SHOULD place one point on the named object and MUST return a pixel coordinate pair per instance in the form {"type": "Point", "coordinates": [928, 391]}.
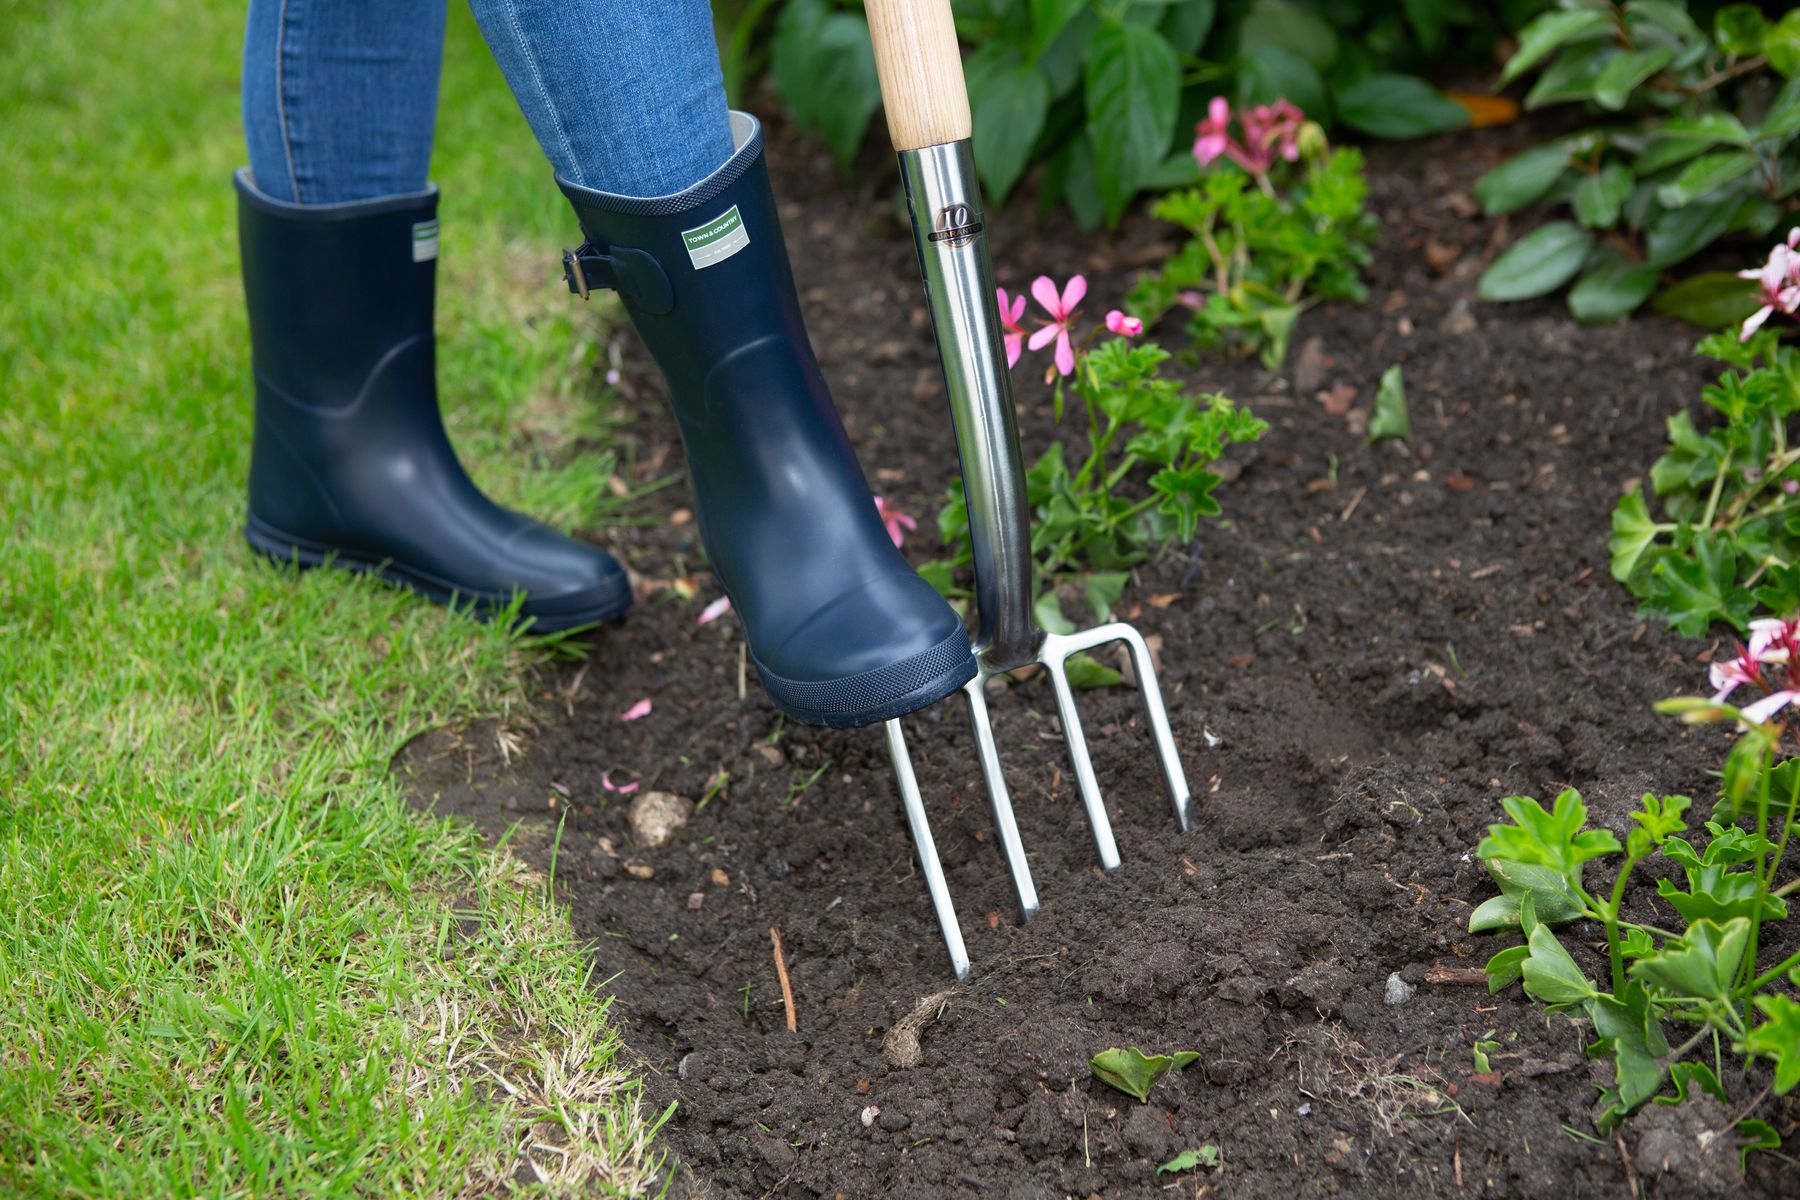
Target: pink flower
{"type": "Point", "coordinates": [715, 610]}
{"type": "Point", "coordinates": [1010, 312]}
{"type": "Point", "coordinates": [1062, 317]}
{"type": "Point", "coordinates": [897, 522]}
{"type": "Point", "coordinates": [1123, 325]}
{"type": "Point", "coordinates": [640, 709]}
{"type": "Point", "coordinates": [1768, 706]}
{"type": "Point", "coordinates": [1778, 284]}
{"type": "Point", "coordinates": [1212, 136]}
{"type": "Point", "coordinates": [1271, 131]}
{"type": "Point", "coordinates": [624, 789]}
{"type": "Point", "coordinates": [1193, 300]}
{"type": "Point", "coordinates": [1726, 676]}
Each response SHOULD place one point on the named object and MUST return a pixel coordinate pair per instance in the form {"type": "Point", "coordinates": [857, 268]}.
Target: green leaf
{"type": "Point", "coordinates": [1049, 615]}
{"type": "Point", "coordinates": [1085, 673]}
{"type": "Point", "coordinates": [1573, 76]}
{"type": "Point", "coordinates": [937, 573]}
{"type": "Point", "coordinates": [1783, 117]}
{"type": "Point", "coordinates": [1186, 496]}
{"type": "Point", "coordinates": [1553, 900]}
{"type": "Point", "coordinates": [1389, 105]}
{"type": "Point", "coordinates": [1009, 100]}
{"type": "Point", "coordinates": [1598, 196]}
{"type": "Point", "coordinates": [1632, 533]}
{"type": "Point", "coordinates": [1391, 420]}
{"type": "Point", "coordinates": [1779, 1039]}
{"type": "Point", "coordinates": [1781, 42]}
{"type": "Point", "coordinates": [1186, 25]}
{"type": "Point", "coordinates": [1660, 818]}
{"type": "Point", "coordinates": [1048, 19]}
{"type": "Point", "coordinates": [1275, 73]}
{"type": "Point", "coordinates": [1284, 25]}
{"type": "Point", "coordinates": [1554, 29]}
{"type": "Point", "coordinates": [1712, 300]}
{"type": "Point", "coordinates": [1187, 1160]}
{"type": "Point", "coordinates": [824, 66]}
{"type": "Point", "coordinates": [1553, 839]}
{"type": "Point", "coordinates": [1739, 28]}
{"type": "Point", "coordinates": [1538, 263]}
{"type": "Point", "coordinates": [1684, 232]}
{"type": "Point", "coordinates": [1703, 175]}
{"type": "Point", "coordinates": [1702, 963]}
{"type": "Point", "coordinates": [1132, 91]}
{"type": "Point", "coordinates": [1622, 74]}
{"type": "Point", "coordinates": [1522, 179]}
{"type": "Point", "coordinates": [1629, 1032]}
{"type": "Point", "coordinates": [1551, 975]}
{"type": "Point", "coordinates": [1135, 1073]}
{"type": "Point", "coordinates": [1506, 966]}
{"type": "Point", "coordinates": [1102, 589]}
{"type": "Point", "coordinates": [1611, 288]}
{"type": "Point", "coordinates": [1690, 592]}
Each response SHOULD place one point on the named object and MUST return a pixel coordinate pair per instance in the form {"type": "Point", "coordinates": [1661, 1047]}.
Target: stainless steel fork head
{"type": "Point", "coordinates": [1053, 656]}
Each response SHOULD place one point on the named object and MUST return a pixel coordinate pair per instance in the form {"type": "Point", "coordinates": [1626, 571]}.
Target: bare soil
{"type": "Point", "coordinates": [1375, 646]}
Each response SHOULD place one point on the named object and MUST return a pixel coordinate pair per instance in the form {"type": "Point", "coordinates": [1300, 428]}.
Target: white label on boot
{"type": "Point", "coordinates": [717, 240]}
{"type": "Point", "coordinates": [425, 238]}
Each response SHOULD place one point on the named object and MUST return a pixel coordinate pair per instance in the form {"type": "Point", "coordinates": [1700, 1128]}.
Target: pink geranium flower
{"type": "Point", "coordinates": [898, 523]}
{"type": "Point", "coordinates": [1123, 325]}
{"type": "Point", "coordinates": [1014, 337]}
{"type": "Point", "coordinates": [1768, 706]}
{"type": "Point", "coordinates": [1778, 284]}
{"type": "Point", "coordinates": [1271, 131]}
{"type": "Point", "coordinates": [1062, 318]}
{"type": "Point", "coordinates": [1212, 137]}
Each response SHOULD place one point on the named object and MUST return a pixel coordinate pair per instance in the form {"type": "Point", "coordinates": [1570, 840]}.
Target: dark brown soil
{"type": "Point", "coordinates": [1373, 648]}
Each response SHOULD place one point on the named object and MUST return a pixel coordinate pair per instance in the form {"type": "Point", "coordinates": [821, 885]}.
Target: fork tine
{"type": "Point", "coordinates": [928, 857]}
{"type": "Point", "coordinates": [998, 801]}
{"type": "Point", "coordinates": [1055, 655]}
{"type": "Point", "coordinates": [1174, 778]}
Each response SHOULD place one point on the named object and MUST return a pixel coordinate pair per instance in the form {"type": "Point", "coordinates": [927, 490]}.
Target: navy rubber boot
{"type": "Point", "coordinates": [350, 463]}
{"type": "Point", "coordinates": [842, 630]}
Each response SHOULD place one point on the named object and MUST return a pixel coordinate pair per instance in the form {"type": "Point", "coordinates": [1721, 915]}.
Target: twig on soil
{"type": "Point", "coordinates": [787, 988]}
{"type": "Point", "coordinates": [1354, 501]}
{"type": "Point", "coordinates": [1442, 974]}
{"type": "Point", "coordinates": [1631, 1180]}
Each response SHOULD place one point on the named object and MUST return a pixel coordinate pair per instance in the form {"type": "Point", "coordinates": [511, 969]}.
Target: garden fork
{"type": "Point", "coordinates": [928, 117]}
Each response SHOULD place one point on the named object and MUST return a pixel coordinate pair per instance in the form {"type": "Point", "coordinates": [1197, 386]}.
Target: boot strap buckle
{"type": "Point", "coordinates": [622, 269]}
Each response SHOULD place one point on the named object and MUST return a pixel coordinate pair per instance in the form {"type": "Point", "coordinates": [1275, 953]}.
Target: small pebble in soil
{"type": "Point", "coordinates": [656, 816]}
{"type": "Point", "coordinates": [869, 1114]}
{"type": "Point", "coordinates": [1398, 990]}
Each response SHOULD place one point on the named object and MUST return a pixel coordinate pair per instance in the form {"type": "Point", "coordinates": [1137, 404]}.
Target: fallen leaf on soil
{"type": "Point", "coordinates": [1164, 599]}
{"type": "Point", "coordinates": [640, 709]}
{"type": "Point", "coordinates": [1485, 110]}
{"type": "Point", "coordinates": [1456, 481]}
{"type": "Point", "coordinates": [1337, 400]}
{"type": "Point", "coordinates": [901, 1045]}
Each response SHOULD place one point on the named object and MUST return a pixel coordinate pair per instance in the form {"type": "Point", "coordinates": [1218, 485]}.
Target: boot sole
{"type": "Point", "coordinates": [285, 548]}
{"type": "Point", "coordinates": [838, 703]}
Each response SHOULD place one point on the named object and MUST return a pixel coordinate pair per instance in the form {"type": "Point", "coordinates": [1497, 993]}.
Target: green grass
{"type": "Point", "coordinates": [232, 961]}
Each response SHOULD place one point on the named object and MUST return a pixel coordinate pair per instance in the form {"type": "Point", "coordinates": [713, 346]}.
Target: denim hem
{"type": "Point", "coordinates": [342, 210]}
{"type": "Point", "coordinates": [746, 135]}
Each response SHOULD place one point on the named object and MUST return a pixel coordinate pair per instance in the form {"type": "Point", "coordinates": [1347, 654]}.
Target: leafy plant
{"type": "Point", "coordinates": [1704, 976]}
{"type": "Point", "coordinates": [1729, 540]}
{"type": "Point", "coordinates": [1144, 481]}
{"type": "Point", "coordinates": [1133, 1072]}
{"type": "Point", "coordinates": [1699, 138]}
{"type": "Point", "coordinates": [1099, 90]}
{"type": "Point", "coordinates": [1276, 224]}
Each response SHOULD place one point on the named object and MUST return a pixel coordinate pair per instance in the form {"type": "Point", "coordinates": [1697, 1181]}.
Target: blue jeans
{"type": "Point", "coordinates": [340, 96]}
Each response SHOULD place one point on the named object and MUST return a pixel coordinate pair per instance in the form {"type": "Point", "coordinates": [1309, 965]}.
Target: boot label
{"type": "Point", "coordinates": [425, 238]}
{"type": "Point", "coordinates": [717, 240]}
